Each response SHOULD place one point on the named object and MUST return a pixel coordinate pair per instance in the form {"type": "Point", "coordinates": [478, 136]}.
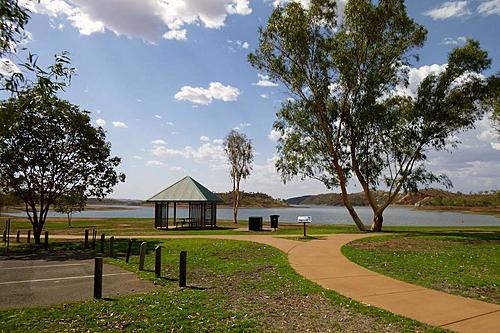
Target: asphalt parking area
{"type": "Point", "coordinates": [33, 281]}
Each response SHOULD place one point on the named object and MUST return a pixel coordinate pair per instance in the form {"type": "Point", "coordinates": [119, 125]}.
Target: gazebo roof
{"type": "Point", "coordinates": [186, 190]}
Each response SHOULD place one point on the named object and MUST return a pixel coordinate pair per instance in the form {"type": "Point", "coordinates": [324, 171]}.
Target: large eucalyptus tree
{"type": "Point", "coordinates": [345, 119]}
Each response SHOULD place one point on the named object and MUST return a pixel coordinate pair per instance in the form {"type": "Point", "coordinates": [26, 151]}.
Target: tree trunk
{"type": "Point", "coordinates": [378, 220]}
{"type": "Point", "coordinates": [36, 236]}
{"type": "Point", "coordinates": [235, 208]}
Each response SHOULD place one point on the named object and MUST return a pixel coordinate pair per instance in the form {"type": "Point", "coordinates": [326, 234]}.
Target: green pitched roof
{"type": "Point", "coordinates": [185, 190]}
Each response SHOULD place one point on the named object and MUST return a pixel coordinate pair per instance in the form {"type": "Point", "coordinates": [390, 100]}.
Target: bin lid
{"type": "Point", "coordinates": [274, 216]}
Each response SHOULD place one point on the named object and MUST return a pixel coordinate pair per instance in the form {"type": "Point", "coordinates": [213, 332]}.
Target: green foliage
{"type": "Point", "coordinates": [48, 147]}
{"type": "Point", "coordinates": [13, 18]}
{"type": "Point", "coordinates": [239, 152]}
{"type": "Point", "coordinates": [346, 118]}
{"type": "Point", "coordinates": [71, 202]}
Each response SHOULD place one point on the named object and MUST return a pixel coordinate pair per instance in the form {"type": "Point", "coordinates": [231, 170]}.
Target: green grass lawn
{"type": "Point", "coordinates": [144, 226]}
{"type": "Point", "coordinates": [462, 262]}
{"type": "Point", "coordinates": [233, 286]}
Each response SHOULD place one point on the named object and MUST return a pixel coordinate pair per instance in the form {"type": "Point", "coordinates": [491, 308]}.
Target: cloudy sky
{"type": "Point", "coordinates": [169, 79]}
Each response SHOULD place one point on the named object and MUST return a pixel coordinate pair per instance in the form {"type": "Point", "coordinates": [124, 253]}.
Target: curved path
{"type": "Point", "coordinates": [322, 262]}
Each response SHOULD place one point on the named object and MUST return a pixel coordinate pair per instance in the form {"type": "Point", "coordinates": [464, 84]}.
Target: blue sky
{"type": "Point", "coordinates": [169, 81]}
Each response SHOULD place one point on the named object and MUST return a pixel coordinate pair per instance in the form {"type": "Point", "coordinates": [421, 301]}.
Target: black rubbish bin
{"type": "Point", "coordinates": [274, 221]}
{"type": "Point", "coordinates": [255, 223]}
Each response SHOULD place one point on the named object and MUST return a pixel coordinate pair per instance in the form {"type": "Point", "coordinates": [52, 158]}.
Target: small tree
{"type": "Point", "coordinates": [70, 203]}
{"type": "Point", "coordinates": [48, 147]}
{"type": "Point", "coordinates": [239, 153]}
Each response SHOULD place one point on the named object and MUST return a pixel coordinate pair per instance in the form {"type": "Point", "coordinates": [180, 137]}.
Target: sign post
{"type": "Point", "coordinates": [304, 220]}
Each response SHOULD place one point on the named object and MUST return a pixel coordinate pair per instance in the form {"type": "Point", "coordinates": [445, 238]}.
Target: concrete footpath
{"type": "Point", "coordinates": [322, 262]}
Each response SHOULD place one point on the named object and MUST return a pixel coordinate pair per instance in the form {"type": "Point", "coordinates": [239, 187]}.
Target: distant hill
{"type": "Point", "coordinates": [253, 199]}
{"type": "Point", "coordinates": [248, 199]}
{"type": "Point", "coordinates": [114, 202]}
{"type": "Point", "coordinates": [422, 198]}
{"type": "Point", "coordinates": [332, 199]}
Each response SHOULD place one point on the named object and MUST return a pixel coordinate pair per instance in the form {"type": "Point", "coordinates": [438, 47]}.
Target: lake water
{"type": "Point", "coordinates": [320, 215]}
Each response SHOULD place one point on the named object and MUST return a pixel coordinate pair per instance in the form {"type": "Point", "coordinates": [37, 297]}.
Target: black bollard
{"type": "Point", "coordinates": [18, 236]}
{"type": "Point", "coordinates": [29, 237]}
{"type": "Point", "coordinates": [158, 261]}
{"type": "Point", "coordinates": [103, 237]}
{"type": "Point", "coordinates": [86, 243]}
{"type": "Point", "coordinates": [129, 250]}
{"type": "Point", "coordinates": [46, 240]}
{"type": "Point", "coordinates": [98, 278]}
{"type": "Point", "coordinates": [142, 253]}
{"type": "Point", "coordinates": [182, 268]}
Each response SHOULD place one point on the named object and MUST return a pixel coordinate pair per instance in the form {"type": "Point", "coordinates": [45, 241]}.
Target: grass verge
{"type": "Point", "coordinates": [233, 286]}
{"type": "Point", "coordinates": [465, 263]}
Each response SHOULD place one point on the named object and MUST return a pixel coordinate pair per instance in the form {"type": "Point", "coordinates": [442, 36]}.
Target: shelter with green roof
{"type": "Point", "coordinates": [197, 203]}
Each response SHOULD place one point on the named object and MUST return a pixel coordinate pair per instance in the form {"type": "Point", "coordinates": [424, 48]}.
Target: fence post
{"type": "Point", "coordinates": [182, 269]}
{"type": "Point", "coordinates": [112, 246]}
{"type": "Point", "coordinates": [46, 240]}
{"type": "Point", "coordinates": [158, 261]}
{"type": "Point", "coordinates": [29, 237]}
{"type": "Point", "coordinates": [103, 237]}
{"type": "Point", "coordinates": [142, 253]}
{"type": "Point", "coordinates": [98, 278]}
{"type": "Point", "coordinates": [129, 250]}
{"type": "Point", "coordinates": [18, 236]}
{"type": "Point", "coordinates": [8, 234]}
{"type": "Point", "coordinates": [86, 243]}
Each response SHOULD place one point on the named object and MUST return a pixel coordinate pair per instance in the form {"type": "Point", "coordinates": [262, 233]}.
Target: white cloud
{"type": "Point", "coordinates": [487, 133]}
{"type": "Point", "coordinates": [449, 9]}
{"type": "Point", "coordinates": [264, 81]}
{"type": "Point", "coordinates": [175, 34]}
{"type": "Point", "coordinates": [455, 41]}
{"type": "Point", "coordinates": [138, 100]}
{"type": "Point", "coordinates": [265, 96]}
{"type": "Point", "coordinates": [159, 142]}
{"type": "Point", "coordinates": [150, 20]}
{"type": "Point", "coordinates": [416, 76]}
{"type": "Point", "coordinates": [7, 67]}
{"type": "Point", "coordinates": [204, 138]}
{"type": "Point", "coordinates": [245, 124]}
{"type": "Point", "coordinates": [101, 122]}
{"type": "Point", "coordinates": [157, 116]}
{"type": "Point", "coordinates": [304, 3]}
{"type": "Point", "coordinates": [169, 123]}
{"type": "Point", "coordinates": [218, 141]}
{"type": "Point", "coordinates": [175, 168]}
{"type": "Point", "coordinates": [155, 163]}
{"type": "Point", "coordinates": [137, 157]}
{"type": "Point", "coordinates": [212, 152]}
{"type": "Point", "coordinates": [489, 7]}
{"type": "Point", "coordinates": [237, 44]}
{"type": "Point", "coordinates": [205, 96]}
{"type": "Point", "coordinates": [274, 135]}
{"type": "Point", "coordinates": [119, 124]}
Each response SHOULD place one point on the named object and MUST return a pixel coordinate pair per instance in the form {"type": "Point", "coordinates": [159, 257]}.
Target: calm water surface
{"type": "Point", "coordinates": [320, 214]}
